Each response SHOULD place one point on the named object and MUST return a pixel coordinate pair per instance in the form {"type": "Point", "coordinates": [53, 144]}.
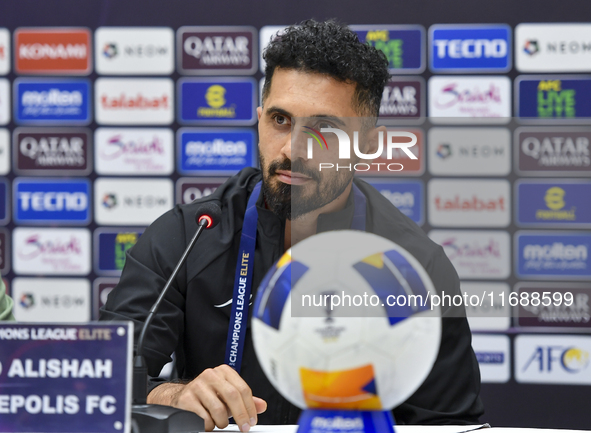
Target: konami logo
{"type": "Point", "coordinates": [134, 101]}
{"type": "Point", "coordinates": [52, 51]}
{"type": "Point", "coordinates": [478, 203]}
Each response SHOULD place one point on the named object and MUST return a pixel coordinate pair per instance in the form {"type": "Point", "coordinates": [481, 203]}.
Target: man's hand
{"type": "Point", "coordinates": [215, 395]}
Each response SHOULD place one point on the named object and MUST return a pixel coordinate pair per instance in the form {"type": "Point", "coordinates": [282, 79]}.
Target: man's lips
{"type": "Point", "coordinates": [292, 178]}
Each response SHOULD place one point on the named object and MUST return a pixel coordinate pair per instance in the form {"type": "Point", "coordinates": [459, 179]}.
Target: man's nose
{"type": "Point", "coordinates": [298, 144]}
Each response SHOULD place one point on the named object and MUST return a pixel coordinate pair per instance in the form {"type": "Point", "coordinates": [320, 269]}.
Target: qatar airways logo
{"type": "Point", "coordinates": [34, 247]}
{"type": "Point", "coordinates": [321, 139]}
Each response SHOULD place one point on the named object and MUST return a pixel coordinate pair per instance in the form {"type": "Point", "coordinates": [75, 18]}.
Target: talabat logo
{"type": "Point", "coordinates": [134, 151]}
{"type": "Point", "coordinates": [60, 51]}
{"type": "Point", "coordinates": [559, 204]}
{"type": "Point", "coordinates": [131, 201]}
{"type": "Point", "coordinates": [553, 151]}
{"type": "Point", "coordinates": [469, 151]}
{"type": "Point", "coordinates": [191, 189]}
{"type": "Point", "coordinates": [476, 254]}
{"type": "Point", "coordinates": [406, 196]}
{"type": "Point", "coordinates": [215, 151]}
{"type": "Point", "coordinates": [553, 359]}
{"type": "Point", "coordinates": [553, 47]}
{"type": "Point", "coordinates": [49, 102]}
{"type": "Point", "coordinates": [403, 99]}
{"type": "Point", "coordinates": [478, 203]}
{"type": "Point", "coordinates": [51, 251]}
{"type": "Point", "coordinates": [52, 299]}
{"type": "Point", "coordinates": [466, 97]}
{"type": "Point", "coordinates": [52, 151]}
{"type": "Point", "coordinates": [134, 50]}
{"type": "Point", "coordinates": [225, 101]}
{"type": "Point", "coordinates": [469, 48]}
{"type": "Point", "coordinates": [557, 305]}
{"type": "Point", "coordinates": [388, 142]}
{"type": "Point", "coordinates": [143, 101]}
{"type": "Point", "coordinates": [404, 46]}
{"type": "Point", "coordinates": [553, 97]}
{"type": "Point", "coordinates": [221, 50]}
{"type": "Point", "coordinates": [553, 254]}
{"type": "Point", "coordinates": [4, 51]}
{"type": "Point", "coordinates": [111, 246]}
{"type": "Point", "coordinates": [40, 201]}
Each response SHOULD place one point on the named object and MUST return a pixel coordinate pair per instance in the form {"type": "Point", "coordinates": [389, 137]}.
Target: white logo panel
{"type": "Point", "coordinates": [4, 101]}
{"type": "Point", "coordinates": [131, 201]}
{"type": "Point", "coordinates": [4, 152]}
{"type": "Point", "coordinates": [51, 251]}
{"type": "Point", "coordinates": [476, 254]}
{"type": "Point", "coordinates": [492, 353]}
{"type": "Point", "coordinates": [557, 359]}
{"type": "Point", "coordinates": [134, 50]}
{"type": "Point", "coordinates": [134, 151]}
{"type": "Point", "coordinates": [553, 47]}
{"type": "Point", "coordinates": [4, 51]}
{"type": "Point", "coordinates": [459, 99]}
{"type": "Point", "coordinates": [469, 151]}
{"type": "Point", "coordinates": [134, 101]}
{"type": "Point", "coordinates": [487, 306]}
{"type": "Point", "coordinates": [474, 203]}
{"type": "Point", "coordinates": [51, 300]}
{"type": "Point", "coordinates": [266, 34]}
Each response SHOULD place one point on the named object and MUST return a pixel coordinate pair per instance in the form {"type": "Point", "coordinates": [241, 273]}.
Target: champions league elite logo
{"type": "Point", "coordinates": [344, 149]}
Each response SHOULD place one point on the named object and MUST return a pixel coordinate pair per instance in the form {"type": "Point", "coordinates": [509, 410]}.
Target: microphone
{"type": "Point", "coordinates": [153, 417]}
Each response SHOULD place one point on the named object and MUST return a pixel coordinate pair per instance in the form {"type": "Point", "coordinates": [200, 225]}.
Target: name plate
{"type": "Point", "coordinates": [66, 378]}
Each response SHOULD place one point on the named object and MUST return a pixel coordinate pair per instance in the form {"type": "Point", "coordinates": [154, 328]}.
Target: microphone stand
{"type": "Point", "coordinates": [155, 418]}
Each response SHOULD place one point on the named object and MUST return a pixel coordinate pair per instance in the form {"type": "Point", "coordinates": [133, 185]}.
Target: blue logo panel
{"type": "Point", "coordinates": [39, 201]}
{"type": "Point", "coordinates": [4, 212]}
{"type": "Point", "coordinates": [66, 378]}
{"type": "Point", "coordinates": [464, 48]}
{"type": "Point", "coordinates": [111, 246]}
{"type": "Point", "coordinates": [227, 101]}
{"type": "Point", "coordinates": [215, 151]}
{"type": "Point", "coordinates": [554, 204]}
{"type": "Point", "coordinates": [51, 102]}
{"type": "Point", "coordinates": [406, 196]}
{"type": "Point", "coordinates": [402, 45]}
{"type": "Point", "coordinates": [553, 97]}
{"type": "Point", "coordinates": [563, 255]}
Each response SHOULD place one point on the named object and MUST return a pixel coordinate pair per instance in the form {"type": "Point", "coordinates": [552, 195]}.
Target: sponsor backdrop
{"type": "Point", "coordinates": [113, 112]}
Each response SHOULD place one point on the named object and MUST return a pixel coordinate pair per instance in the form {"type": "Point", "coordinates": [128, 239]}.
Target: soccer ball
{"type": "Point", "coordinates": [343, 321]}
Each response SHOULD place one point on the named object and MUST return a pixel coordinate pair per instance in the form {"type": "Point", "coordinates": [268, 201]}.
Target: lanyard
{"type": "Point", "coordinates": [245, 270]}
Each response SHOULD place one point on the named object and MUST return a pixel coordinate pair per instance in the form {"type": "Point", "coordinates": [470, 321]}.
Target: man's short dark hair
{"type": "Point", "coordinates": [333, 49]}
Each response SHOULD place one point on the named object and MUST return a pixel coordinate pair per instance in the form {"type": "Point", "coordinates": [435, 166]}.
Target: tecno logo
{"type": "Point", "coordinates": [51, 200]}
{"type": "Point", "coordinates": [470, 48]}
{"type": "Point", "coordinates": [52, 51]}
{"type": "Point", "coordinates": [134, 101]}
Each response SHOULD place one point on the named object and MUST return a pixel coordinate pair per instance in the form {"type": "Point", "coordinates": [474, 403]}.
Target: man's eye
{"type": "Point", "coordinates": [281, 120]}
{"type": "Point", "coordinates": [325, 125]}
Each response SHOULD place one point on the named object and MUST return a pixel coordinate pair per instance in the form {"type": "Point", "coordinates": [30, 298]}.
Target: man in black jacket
{"type": "Point", "coordinates": [317, 71]}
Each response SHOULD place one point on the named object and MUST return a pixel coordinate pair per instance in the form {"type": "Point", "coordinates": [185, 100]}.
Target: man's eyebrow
{"type": "Point", "coordinates": [279, 111]}
{"type": "Point", "coordinates": [286, 113]}
{"type": "Point", "coordinates": [331, 118]}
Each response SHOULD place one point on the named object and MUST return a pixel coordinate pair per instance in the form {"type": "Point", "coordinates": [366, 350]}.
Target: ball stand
{"type": "Point", "coordinates": [345, 421]}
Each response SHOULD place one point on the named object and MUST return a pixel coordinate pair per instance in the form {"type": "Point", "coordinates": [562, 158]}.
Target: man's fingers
{"type": "Point", "coordinates": [260, 404]}
{"type": "Point", "coordinates": [215, 407]}
{"type": "Point", "coordinates": [240, 385]}
{"type": "Point", "coordinates": [189, 401]}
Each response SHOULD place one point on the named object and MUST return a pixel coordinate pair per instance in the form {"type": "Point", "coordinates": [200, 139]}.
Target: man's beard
{"type": "Point", "coordinates": [292, 201]}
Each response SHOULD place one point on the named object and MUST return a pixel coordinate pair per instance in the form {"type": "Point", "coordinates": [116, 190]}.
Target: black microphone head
{"type": "Point", "coordinates": [209, 213]}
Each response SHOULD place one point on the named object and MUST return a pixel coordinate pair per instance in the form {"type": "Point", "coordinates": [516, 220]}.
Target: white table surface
{"type": "Point", "coordinates": [411, 429]}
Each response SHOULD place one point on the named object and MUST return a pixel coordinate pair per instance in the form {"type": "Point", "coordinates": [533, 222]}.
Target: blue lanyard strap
{"type": "Point", "coordinates": [245, 270]}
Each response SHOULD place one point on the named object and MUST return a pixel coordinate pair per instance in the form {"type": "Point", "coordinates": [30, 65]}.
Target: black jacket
{"type": "Point", "coordinates": [190, 324]}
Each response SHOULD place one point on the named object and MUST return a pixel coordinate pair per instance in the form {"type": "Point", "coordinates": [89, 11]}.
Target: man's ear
{"type": "Point", "coordinates": [259, 112]}
{"type": "Point", "coordinates": [374, 137]}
